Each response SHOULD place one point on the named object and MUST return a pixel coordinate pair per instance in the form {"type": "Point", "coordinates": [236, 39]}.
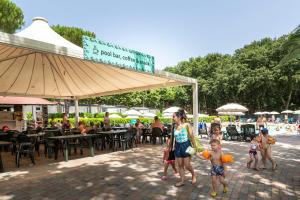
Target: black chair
{"type": "Point", "coordinates": [156, 133]}
{"type": "Point", "coordinates": [84, 142]}
{"type": "Point", "coordinates": [233, 133]}
{"type": "Point", "coordinates": [145, 134]}
{"type": "Point", "coordinates": [25, 146]}
{"type": "Point", "coordinates": [51, 146]}
{"type": "Point", "coordinates": [165, 134]}
{"type": "Point", "coordinates": [128, 139]}
{"type": "Point", "coordinates": [248, 131]}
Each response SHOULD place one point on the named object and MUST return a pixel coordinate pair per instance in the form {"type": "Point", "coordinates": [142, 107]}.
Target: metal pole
{"type": "Point", "coordinates": [195, 107]}
{"type": "Point", "coordinates": [76, 112]}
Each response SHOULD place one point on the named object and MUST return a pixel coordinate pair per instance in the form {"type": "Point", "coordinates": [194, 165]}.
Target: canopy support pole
{"type": "Point", "coordinates": [195, 107]}
{"type": "Point", "coordinates": [76, 112]}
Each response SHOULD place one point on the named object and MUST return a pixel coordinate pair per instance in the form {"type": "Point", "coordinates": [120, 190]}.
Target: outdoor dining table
{"type": "Point", "coordinates": [36, 134]}
{"type": "Point", "coordinates": [66, 138]}
{"type": "Point", "coordinates": [119, 128]}
{"type": "Point", "coordinates": [3, 143]}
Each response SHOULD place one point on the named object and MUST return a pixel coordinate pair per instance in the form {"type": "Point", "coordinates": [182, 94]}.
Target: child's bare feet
{"type": "Point", "coordinates": [194, 180]}
{"type": "Point", "coordinates": [275, 166]}
{"type": "Point", "coordinates": [248, 165]}
{"type": "Point", "coordinates": [179, 184]}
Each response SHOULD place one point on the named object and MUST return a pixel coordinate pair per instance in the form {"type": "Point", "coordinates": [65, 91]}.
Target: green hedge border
{"type": "Point", "coordinates": [87, 121]}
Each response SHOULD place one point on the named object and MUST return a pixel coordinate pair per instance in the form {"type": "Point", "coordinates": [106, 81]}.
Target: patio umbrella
{"type": "Point", "coordinates": [203, 115]}
{"type": "Point", "coordinates": [265, 113]}
{"type": "Point", "coordinates": [297, 112]}
{"type": "Point", "coordinates": [171, 110]}
{"type": "Point", "coordinates": [115, 116]}
{"type": "Point", "coordinates": [274, 113]}
{"type": "Point", "coordinates": [149, 115]}
{"type": "Point", "coordinates": [231, 113]}
{"type": "Point", "coordinates": [132, 113]}
{"type": "Point", "coordinates": [132, 117]}
{"type": "Point", "coordinates": [167, 115]}
{"type": "Point", "coordinates": [232, 107]}
{"type": "Point", "coordinates": [258, 113]}
{"type": "Point", "coordinates": [199, 115]}
{"type": "Point", "coordinates": [287, 112]}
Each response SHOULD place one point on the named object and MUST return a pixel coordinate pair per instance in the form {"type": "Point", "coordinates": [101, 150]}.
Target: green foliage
{"type": "Point", "coordinates": [55, 115]}
{"type": "Point", "coordinates": [29, 116]}
{"type": "Point", "coordinates": [11, 17]}
{"type": "Point", "coordinates": [99, 115]}
{"type": "Point", "coordinates": [262, 75]}
{"type": "Point", "coordinates": [73, 34]}
{"type": "Point", "coordinates": [88, 115]}
{"type": "Point", "coordinates": [115, 122]}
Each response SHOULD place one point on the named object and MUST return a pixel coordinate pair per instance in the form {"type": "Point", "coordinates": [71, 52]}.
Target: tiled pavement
{"type": "Point", "coordinates": [135, 175]}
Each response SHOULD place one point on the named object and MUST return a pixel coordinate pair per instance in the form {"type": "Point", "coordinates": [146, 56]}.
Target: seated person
{"type": "Point", "coordinates": [82, 128]}
{"type": "Point", "coordinates": [66, 125]}
{"type": "Point", "coordinates": [5, 129]}
{"type": "Point", "coordinates": [157, 124]}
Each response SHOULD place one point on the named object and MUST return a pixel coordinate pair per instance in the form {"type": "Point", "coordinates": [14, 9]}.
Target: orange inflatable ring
{"type": "Point", "coordinates": [206, 154]}
{"type": "Point", "coordinates": [227, 158]}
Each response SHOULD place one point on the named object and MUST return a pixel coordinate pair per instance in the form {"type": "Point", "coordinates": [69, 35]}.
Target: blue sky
{"type": "Point", "coordinates": [172, 30]}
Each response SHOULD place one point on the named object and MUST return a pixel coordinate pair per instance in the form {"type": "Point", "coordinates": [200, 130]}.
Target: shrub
{"type": "Point", "coordinates": [116, 122]}
{"type": "Point", "coordinates": [29, 116]}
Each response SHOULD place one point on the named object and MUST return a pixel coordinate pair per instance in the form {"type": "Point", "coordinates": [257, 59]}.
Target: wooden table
{"type": "Point", "coordinates": [36, 134]}
{"type": "Point", "coordinates": [2, 144]}
{"type": "Point", "coordinates": [67, 138]}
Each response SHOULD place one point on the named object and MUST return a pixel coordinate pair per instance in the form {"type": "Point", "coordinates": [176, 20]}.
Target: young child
{"type": "Point", "coordinates": [217, 134]}
{"type": "Point", "coordinates": [265, 148]}
{"type": "Point", "coordinates": [217, 170]}
{"type": "Point", "coordinates": [253, 153]}
{"type": "Point", "coordinates": [168, 162]}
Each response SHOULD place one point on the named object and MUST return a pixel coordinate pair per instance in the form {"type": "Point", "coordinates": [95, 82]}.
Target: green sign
{"type": "Point", "coordinates": [104, 52]}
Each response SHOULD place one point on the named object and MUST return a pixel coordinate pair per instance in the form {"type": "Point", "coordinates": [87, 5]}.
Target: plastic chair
{"type": "Point", "coordinates": [25, 146]}
{"type": "Point", "coordinates": [156, 132]}
{"type": "Point", "coordinates": [248, 131]}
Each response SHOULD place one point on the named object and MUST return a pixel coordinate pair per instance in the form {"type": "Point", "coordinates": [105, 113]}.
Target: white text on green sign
{"type": "Point", "coordinates": [104, 52]}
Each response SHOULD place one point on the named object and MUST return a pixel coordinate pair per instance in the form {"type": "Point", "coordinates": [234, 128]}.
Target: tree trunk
{"type": "Point", "coordinates": [289, 99]}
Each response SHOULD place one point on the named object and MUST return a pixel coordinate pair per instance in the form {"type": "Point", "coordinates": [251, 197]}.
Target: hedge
{"type": "Point", "coordinates": [88, 121]}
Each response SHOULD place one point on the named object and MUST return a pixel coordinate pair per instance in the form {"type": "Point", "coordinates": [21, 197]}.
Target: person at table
{"type": "Point", "coordinates": [66, 125]}
{"type": "Point", "coordinates": [139, 126]}
{"type": "Point", "coordinates": [157, 124]}
{"type": "Point", "coordinates": [106, 121]}
{"type": "Point", "coordinates": [82, 128]}
{"type": "Point", "coordinates": [5, 129]}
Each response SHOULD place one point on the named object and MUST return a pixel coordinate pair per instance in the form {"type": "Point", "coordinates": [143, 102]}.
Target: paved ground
{"type": "Point", "coordinates": [136, 175]}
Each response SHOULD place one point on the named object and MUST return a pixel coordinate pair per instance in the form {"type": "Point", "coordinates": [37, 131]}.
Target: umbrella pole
{"type": "Point", "coordinates": [195, 107]}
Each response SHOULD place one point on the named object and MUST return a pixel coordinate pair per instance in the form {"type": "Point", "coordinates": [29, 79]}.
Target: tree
{"type": "Point", "coordinates": [288, 70]}
{"type": "Point", "coordinates": [11, 16]}
{"type": "Point", "coordinates": [73, 34]}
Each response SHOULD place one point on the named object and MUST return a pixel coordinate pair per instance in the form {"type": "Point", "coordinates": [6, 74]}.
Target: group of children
{"type": "Point", "coordinates": [261, 143]}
